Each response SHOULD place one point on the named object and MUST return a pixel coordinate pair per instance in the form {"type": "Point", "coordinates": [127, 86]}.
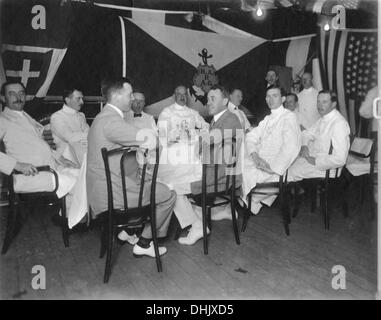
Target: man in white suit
{"type": "Point", "coordinates": [308, 113]}
{"type": "Point", "coordinates": [22, 137]}
{"type": "Point", "coordinates": [271, 147]}
{"type": "Point", "coordinates": [69, 125]}
{"type": "Point", "coordinates": [331, 129]}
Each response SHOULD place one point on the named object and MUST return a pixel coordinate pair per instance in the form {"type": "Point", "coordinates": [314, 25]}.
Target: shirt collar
{"type": "Point", "coordinates": [329, 116]}
{"type": "Point", "coordinates": [68, 110]}
{"type": "Point", "coordinates": [116, 109]}
{"type": "Point", "coordinates": [20, 113]}
{"type": "Point", "coordinates": [232, 106]}
{"type": "Point", "coordinates": [218, 115]}
{"type": "Point", "coordinates": [178, 107]}
{"type": "Point", "coordinates": [278, 110]}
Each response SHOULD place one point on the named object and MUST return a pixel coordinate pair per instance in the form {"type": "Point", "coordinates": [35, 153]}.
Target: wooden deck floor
{"type": "Point", "coordinates": [267, 264]}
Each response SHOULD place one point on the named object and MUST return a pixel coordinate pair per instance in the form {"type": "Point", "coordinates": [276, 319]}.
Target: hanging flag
{"type": "Point", "coordinates": [34, 42]}
{"type": "Point", "coordinates": [296, 52]}
{"type": "Point", "coordinates": [349, 68]}
{"type": "Point", "coordinates": [173, 50]}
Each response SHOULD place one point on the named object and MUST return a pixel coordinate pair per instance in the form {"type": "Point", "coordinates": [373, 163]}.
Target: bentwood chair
{"type": "Point", "coordinates": [322, 185]}
{"type": "Point", "coordinates": [127, 216]}
{"type": "Point", "coordinates": [19, 199]}
{"type": "Point", "coordinates": [361, 167]}
{"type": "Point", "coordinates": [278, 188]}
{"type": "Point", "coordinates": [218, 184]}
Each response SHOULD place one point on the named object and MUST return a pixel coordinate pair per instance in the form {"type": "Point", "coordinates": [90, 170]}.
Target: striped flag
{"type": "Point", "coordinates": [297, 53]}
{"type": "Point", "coordinates": [31, 54]}
{"type": "Point", "coordinates": [349, 67]}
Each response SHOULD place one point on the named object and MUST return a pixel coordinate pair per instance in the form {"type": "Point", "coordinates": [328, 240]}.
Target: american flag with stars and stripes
{"type": "Point", "coordinates": [349, 65]}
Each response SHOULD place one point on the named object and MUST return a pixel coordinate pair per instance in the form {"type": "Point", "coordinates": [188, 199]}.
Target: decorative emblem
{"type": "Point", "coordinates": [204, 78]}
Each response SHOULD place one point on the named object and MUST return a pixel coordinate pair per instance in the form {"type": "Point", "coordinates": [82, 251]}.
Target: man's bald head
{"type": "Point", "coordinates": [181, 96]}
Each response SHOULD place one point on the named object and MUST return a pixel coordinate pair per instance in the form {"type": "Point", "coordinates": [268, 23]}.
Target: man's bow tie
{"type": "Point", "coordinates": [137, 115]}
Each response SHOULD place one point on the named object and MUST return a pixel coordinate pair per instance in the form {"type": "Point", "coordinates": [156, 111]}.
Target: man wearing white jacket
{"type": "Point", "coordinates": [332, 128]}
{"type": "Point", "coordinates": [68, 125]}
{"type": "Point", "coordinates": [271, 147]}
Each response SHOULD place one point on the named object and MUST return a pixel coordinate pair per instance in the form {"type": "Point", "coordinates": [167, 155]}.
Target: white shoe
{"type": "Point", "coordinates": [194, 235]}
{"type": "Point", "coordinates": [124, 236]}
{"type": "Point", "coordinates": [138, 251]}
{"type": "Point", "coordinates": [223, 215]}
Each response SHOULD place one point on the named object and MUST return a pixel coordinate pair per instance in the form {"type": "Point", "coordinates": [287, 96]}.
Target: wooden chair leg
{"type": "Point", "coordinates": [313, 195]}
{"type": "Point", "coordinates": [285, 210]}
{"type": "Point", "coordinates": [205, 213]}
{"type": "Point", "coordinates": [104, 240]}
{"type": "Point", "coordinates": [373, 206]}
{"type": "Point", "coordinates": [64, 223]}
{"type": "Point", "coordinates": [155, 243]}
{"type": "Point", "coordinates": [234, 220]}
{"type": "Point", "coordinates": [11, 225]}
{"type": "Point", "coordinates": [344, 197]}
{"type": "Point", "coordinates": [324, 207]}
{"type": "Point", "coordinates": [296, 201]}
{"type": "Point", "coordinates": [110, 240]}
{"type": "Point", "coordinates": [247, 214]}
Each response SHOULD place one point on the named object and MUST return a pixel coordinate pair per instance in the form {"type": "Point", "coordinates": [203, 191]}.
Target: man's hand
{"type": "Point", "coordinates": [26, 168]}
{"type": "Point", "coordinates": [304, 152]}
{"type": "Point", "coordinates": [67, 163]}
{"type": "Point", "coordinates": [261, 163]}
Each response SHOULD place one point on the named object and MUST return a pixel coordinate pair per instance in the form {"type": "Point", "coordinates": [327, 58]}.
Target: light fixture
{"type": "Point", "coordinates": [326, 26]}
{"type": "Point", "coordinates": [259, 12]}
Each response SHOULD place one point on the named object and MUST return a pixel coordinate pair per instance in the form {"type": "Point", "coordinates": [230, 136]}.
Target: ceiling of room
{"type": "Point", "coordinates": [280, 18]}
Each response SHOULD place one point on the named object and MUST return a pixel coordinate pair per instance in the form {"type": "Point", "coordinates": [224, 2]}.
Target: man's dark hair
{"type": "Point", "coordinates": [111, 85]}
{"type": "Point", "coordinates": [288, 94]}
{"type": "Point", "coordinates": [223, 90]}
{"type": "Point", "coordinates": [7, 83]}
{"type": "Point", "coordinates": [282, 93]}
{"type": "Point", "coordinates": [68, 92]}
{"type": "Point", "coordinates": [331, 94]}
{"type": "Point", "coordinates": [272, 69]}
{"type": "Point", "coordinates": [232, 89]}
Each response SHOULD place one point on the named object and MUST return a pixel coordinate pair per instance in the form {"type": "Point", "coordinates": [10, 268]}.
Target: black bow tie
{"type": "Point", "coordinates": [137, 115]}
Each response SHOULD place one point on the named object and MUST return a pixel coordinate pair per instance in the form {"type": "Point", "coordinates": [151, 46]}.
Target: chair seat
{"type": "Point", "coordinates": [358, 166]}
{"type": "Point", "coordinates": [211, 199]}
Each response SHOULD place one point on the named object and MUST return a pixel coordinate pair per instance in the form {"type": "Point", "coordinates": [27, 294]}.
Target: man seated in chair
{"type": "Point", "coordinates": [271, 147]}
{"type": "Point", "coordinates": [331, 129]}
{"type": "Point", "coordinates": [69, 125]}
{"type": "Point", "coordinates": [143, 121]}
{"type": "Point", "coordinates": [22, 137]}
{"type": "Point", "coordinates": [109, 130]}
{"type": "Point", "coordinates": [226, 125]}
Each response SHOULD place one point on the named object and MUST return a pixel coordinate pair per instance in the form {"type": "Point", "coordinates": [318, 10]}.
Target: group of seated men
{"type": "Point", "coordinates": [278, 143]}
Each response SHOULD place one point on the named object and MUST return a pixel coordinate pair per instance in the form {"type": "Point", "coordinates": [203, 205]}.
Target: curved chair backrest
{"type": "Point", "coordinates": [225, 154]}
{"type": "Point", "coordinates": [125, 151]}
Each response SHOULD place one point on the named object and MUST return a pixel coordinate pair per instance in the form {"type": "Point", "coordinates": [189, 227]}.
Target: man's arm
{"type": "Point", "coordinates": [340, 145]}
{"type": "Point", "coordinates": [123, 133]}
{"type": "Point", "coordinates": [63, 131]}
{"type": "Point", "coordinates": [8, 164]}
{"type": "Point", "coordinates": [366, 108]}
{"type": "Point", "coordinates": [253, 137]}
